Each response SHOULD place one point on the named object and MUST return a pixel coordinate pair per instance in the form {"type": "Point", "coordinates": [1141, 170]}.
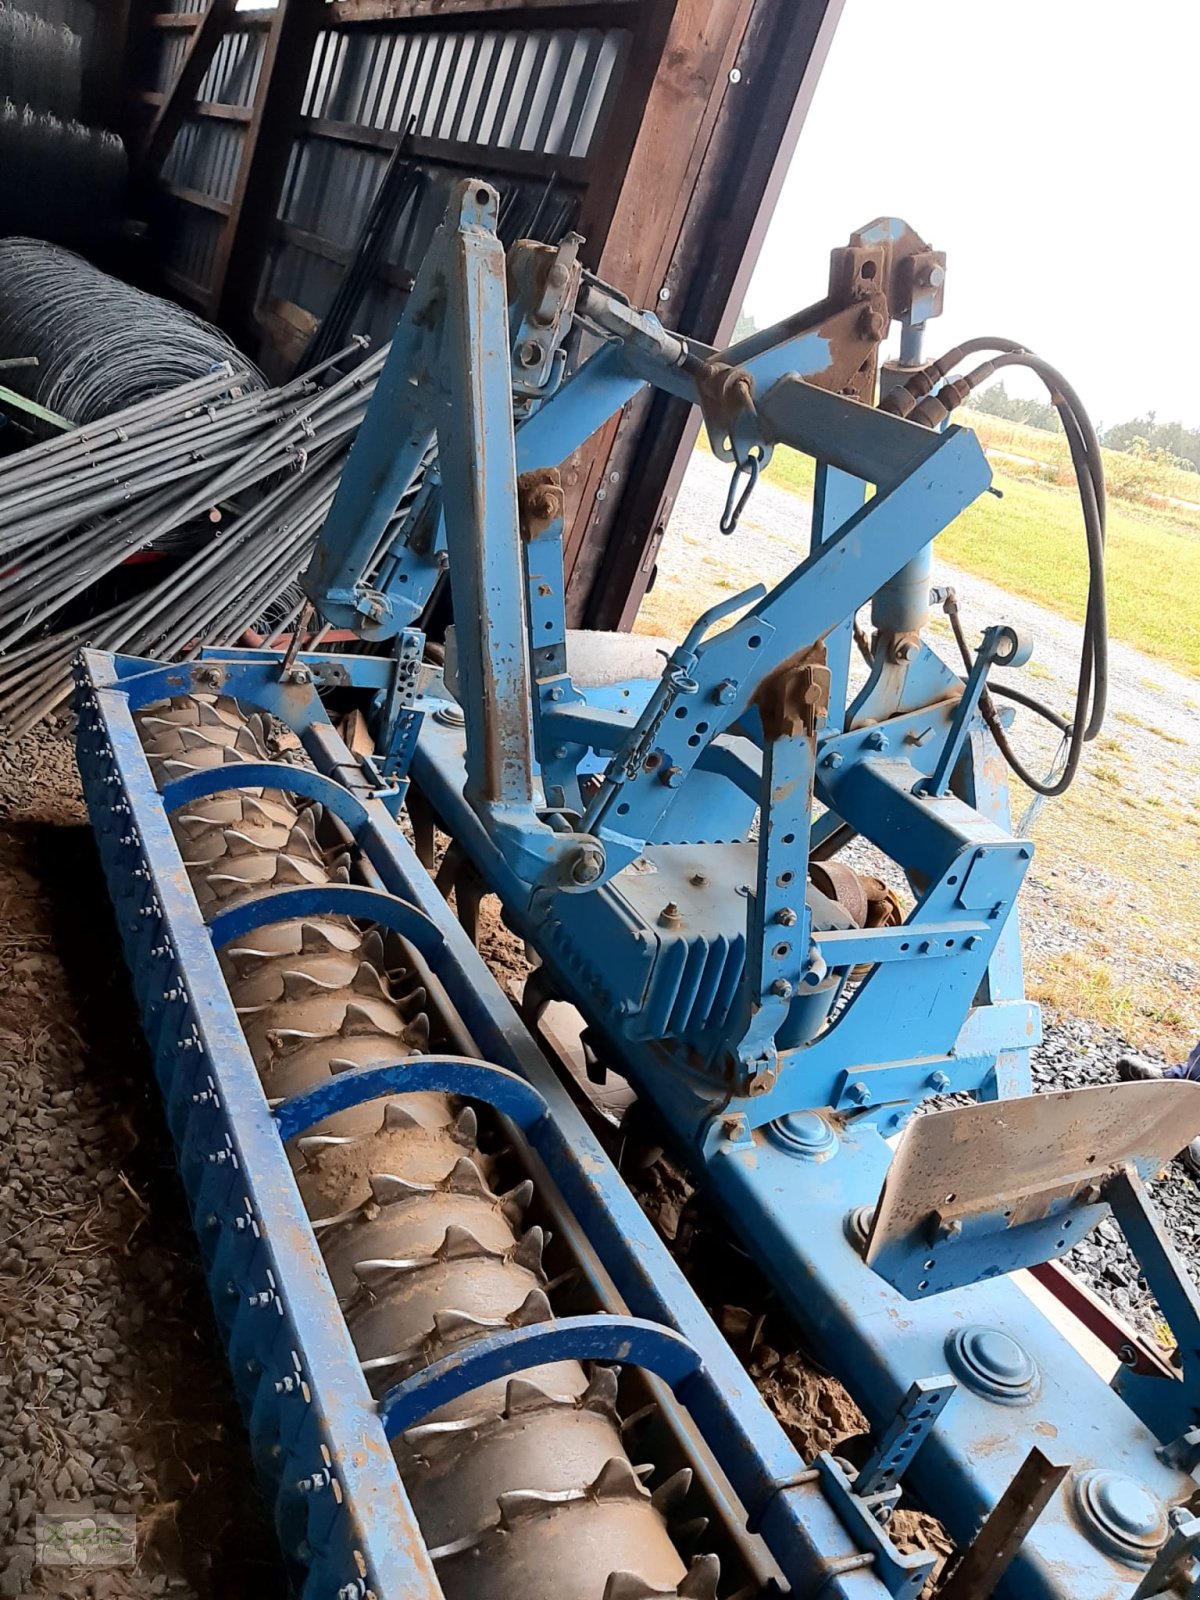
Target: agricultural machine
{"type": "Point", "coordinates": [469, 1364]}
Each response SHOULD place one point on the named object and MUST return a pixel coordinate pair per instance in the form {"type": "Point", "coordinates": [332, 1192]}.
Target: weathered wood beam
{"type": "Point", "coordinates": [210, 110]}
{"type": "Point", "coordinates": [674, 89]}
{"type": "Point", "coordinates": [197, 59]}
{"type": "Point", "coordinates": [571, 170]}
{"type": "Point", "coordinates": [274, 122]}
{"type": "Point", "coordinates": [701, 251]}
{"type": "Point", "coordinates": [195, 197]}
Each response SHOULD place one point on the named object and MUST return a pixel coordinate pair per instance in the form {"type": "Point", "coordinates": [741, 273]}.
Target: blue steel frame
{"type": "Point", "coordinates": [319, 1439]}
{"type": "Point", "coordinates": [778, 1077]}
{"type": "Point", "coordinates": [779, 1080]}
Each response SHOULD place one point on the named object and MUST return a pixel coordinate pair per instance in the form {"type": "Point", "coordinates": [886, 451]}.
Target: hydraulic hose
{"type": "Point", "coordinates": [916, 400]}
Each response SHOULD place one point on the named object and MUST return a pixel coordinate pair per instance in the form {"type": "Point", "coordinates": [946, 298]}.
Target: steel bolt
{"type": "Point", "coordinates": [530, 354]}
{"type": "Point", "coordinates": [782, 989]}
{"type": "Point", "coordinates": [725, 693]}
{"type": "Point", "coordinates": [833, 759]}
{"type": "Point", "coordinates": [664, 293]}
{"type": "Point", "coordinates": [558, 693]}
{"type": "Point", "coordinates": [786, 917]}
{"type": "Point", "coordinates": [698, 880]}
{"type": "Point", "coordinates": [587, 865]}
{"type": "Point", "coordinates": [860, 1094]}
{"type": "Point", "coordinates": [672, 777]}
{"type": "Point", "coordinates": [735, 75]}
{"type": "Point", "coordinates": [877, 739]}
{"type": "Point", "coordinates": [938, 1081]}
{"type": "Point", "coordinates": [300, 675]}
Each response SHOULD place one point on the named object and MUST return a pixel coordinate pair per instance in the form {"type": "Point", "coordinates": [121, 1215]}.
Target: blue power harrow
{"type": "Point", "coordinates": [468, 1364]}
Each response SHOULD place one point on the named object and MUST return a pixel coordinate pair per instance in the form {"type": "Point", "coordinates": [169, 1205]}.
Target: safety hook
{"type": "Point", "coordinates": [735, 503]}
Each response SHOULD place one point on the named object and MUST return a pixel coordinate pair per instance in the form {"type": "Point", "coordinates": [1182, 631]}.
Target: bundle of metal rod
{"type": "Point", "coordinates": [101, 345]}
{"type": "Point", "coordinates": [41, 63]}
{"type": "Point", "coordinates": [286, 483]}
{"type": "Point", "coordinates": [400, 189]}
{"type": "Point", "coordinates": [78, 508]}
{"type": "Point", "coordinates": [535, 211]}
{"type": "Point", "coordinates": [62, 181]}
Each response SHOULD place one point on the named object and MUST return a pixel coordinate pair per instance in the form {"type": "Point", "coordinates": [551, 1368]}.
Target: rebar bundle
{"type": "Point", "coordinates": [62, 181]}
{"type": "Point", "coordinates": [251, 475]}
{"type": "Point", "coordinates": [40, 63]}
{"type": "Point", "coordinates": [101, 344]}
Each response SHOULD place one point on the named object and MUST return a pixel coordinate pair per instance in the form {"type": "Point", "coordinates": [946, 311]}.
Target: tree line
{"type": "Point", "coordinates": [1139, 436]}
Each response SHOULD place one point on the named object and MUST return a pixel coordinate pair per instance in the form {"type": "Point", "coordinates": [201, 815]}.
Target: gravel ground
{"type": "Point", "coordinates": [114, 1397]}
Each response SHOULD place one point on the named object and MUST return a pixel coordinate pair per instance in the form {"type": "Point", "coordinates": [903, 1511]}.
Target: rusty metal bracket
{"type": "Point", "coordinates": [1174, 1572]}
{"type": "Point", "coordinates": [992, 1550]}
{"type": "Point", "coordinates": [997, 1186]}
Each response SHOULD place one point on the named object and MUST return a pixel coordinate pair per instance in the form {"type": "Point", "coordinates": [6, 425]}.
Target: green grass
{"type": "Point", "coordinates": [790, 470]}
{"type": "Point", "coordinates": [1031, 542]}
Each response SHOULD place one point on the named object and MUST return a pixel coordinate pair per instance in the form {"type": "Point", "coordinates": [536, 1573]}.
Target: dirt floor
{"type": "Point", "coordinates": [114, 1397]}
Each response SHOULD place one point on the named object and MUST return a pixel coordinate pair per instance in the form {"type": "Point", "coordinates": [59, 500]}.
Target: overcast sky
{"type": "Point", "coordinates": [1051, 148]}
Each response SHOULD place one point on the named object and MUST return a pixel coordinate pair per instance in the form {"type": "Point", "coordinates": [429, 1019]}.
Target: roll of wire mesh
{"type": "Point", "coordinates": [62, 181]}
{"type": "Point", "coordinates": [41, 63]}
{"type": "Point", "coordinates": [101, 344]}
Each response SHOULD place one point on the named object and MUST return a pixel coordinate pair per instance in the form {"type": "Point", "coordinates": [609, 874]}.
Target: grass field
{"type": "Point", "coordinates": [1031, 541]}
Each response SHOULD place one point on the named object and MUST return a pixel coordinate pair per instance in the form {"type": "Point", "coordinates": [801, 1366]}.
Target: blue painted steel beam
{"type": "Point", "coordinates": [311, 1416]}
{"type": "Point", "coordinates": [628, 1340]}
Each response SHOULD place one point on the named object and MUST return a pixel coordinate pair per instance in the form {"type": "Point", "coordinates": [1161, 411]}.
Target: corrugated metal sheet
{"type": "Point", "coordinates": [232, 79]}
{"type": "Point", "coordinates": [542, 92]}
{"type": "Point", "coordinates": [205, 158]}
{"type": "Point", "coordinates": [192, 244]}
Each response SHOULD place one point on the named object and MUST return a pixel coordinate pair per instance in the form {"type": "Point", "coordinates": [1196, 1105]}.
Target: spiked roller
{"type": "Point", "coordinates": [407, 1247]}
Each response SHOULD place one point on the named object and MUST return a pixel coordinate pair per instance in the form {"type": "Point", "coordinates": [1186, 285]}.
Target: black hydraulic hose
{"type": "Point", "coordinates": [1031, 704]}
{"type": "Point", "coordinates": [915, 399]}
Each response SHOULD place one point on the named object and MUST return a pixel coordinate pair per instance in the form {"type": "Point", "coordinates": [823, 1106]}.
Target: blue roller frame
{"type": "Point", "coordinates": [312, 1422]}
